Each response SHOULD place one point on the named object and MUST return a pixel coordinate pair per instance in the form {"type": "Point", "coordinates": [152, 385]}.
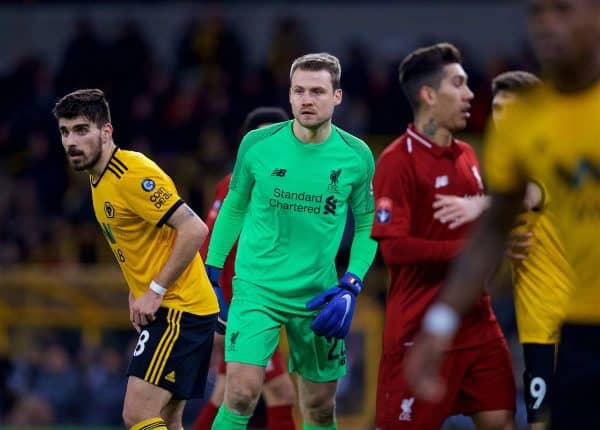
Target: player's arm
{"type": "Point", "coordinates": [395, 192]}
{"type": "Point", "coordinates": [231, 215]}
{"type": "Point", "coordinates": [337, 304]}
{"type": "Point", "coordinates": [363, 248]}
{"type": "Point", "coordinates": [211, 217]}
{"type": "Point", "coordinates": [457, 211]}
{"type": "Point", "coordinates": [191, 232]}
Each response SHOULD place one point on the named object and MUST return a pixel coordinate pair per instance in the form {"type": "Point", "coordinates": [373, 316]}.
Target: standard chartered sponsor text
{"type": "Point", "coordinates": [288, 200]}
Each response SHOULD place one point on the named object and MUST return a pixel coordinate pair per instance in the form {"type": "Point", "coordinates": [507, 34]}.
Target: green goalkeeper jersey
{"type": "Point", "coordinates": [290, 200]}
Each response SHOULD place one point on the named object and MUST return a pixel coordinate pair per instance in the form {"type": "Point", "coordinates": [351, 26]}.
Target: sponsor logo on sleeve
{"type": "Point", "coordinates": [383, 211]}
{"type": "Point", "coordinates": [160, 197]}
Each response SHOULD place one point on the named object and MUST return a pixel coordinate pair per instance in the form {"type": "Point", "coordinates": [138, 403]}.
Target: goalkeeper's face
{"type": "Point", "coordinates": [83, 141]}
{"type": "Point", "coordinates": [313, 98]}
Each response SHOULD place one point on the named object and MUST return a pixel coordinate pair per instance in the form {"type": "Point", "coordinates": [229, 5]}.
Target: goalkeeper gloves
{"type": "Point", "coordinates": [336, 307]}
{"type": "Point", "coordinates": [213, 276]}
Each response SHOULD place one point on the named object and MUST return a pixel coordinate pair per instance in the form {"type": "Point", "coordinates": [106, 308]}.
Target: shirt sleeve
{"type": "Point", "coordinates": [215, 207]}
{"type": "Point", "coordinates": [361, 199]}
{"type": "Point", "coordinates": [150, 193]}
{"type": "Point", "coordinates": [228, 224]}
{"type": "Point", "coordinates": [395, 191]}
{"type": "Point", "coordinates": [242, 178]}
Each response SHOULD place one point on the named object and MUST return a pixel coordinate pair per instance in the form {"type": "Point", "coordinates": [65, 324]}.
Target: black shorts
{"type": "Point", "coordinates": [575, 398]}
{"type": "Point", "coordinates": [173, 352]}
{"type": "Point", "coordinates": [538, 378]}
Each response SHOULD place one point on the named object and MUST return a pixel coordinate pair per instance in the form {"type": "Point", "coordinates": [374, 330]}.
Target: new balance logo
{"type": "Point", "coordinates": [406, 409]}
{"type": "Point", "coordinates": [170, 376]}
{"type": "Point", "coordinates": [330, 205]}
{"type": "Point", "coordinates": [279, 172]}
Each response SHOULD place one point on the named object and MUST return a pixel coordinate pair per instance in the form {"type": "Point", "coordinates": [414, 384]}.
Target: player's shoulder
{"type": "Point", "coordinates": [399, 149]}
{"type": "Point", "coordinates": [352, 141]}
{"type": "Point", "coordinates": [136, 162]}
{"type": "Point", "coordinates": [464, 146]}
{"type": "Point", "coordinates": [356, 145]}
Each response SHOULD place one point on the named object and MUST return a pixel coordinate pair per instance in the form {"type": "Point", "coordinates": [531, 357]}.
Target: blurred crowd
{"type": "Point", "coordinates": [186, 115]}
{"type": "Point", "coordinates": [47, 383]}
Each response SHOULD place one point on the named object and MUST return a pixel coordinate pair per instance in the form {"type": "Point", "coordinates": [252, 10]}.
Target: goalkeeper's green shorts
{"type": "Point", "coordinates": [253, 329]}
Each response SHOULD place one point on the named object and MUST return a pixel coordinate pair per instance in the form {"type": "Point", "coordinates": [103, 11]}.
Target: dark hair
{"type": "Point", "coordinates": [424, 66]}
{"type": "Point", "coordinates": [319, 61]}
{"type": "Point", "coordinates": [263, 115]}
{"type": "Point", "coordinates": [515, 81]}
{"type": "Point", "coordinates": [89, 103]}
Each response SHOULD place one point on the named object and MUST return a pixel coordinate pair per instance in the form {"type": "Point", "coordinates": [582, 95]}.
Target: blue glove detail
{"type": "Point", "coordinates": [336, 307]}
{"type": "Point", "coordinates": [213, 276]}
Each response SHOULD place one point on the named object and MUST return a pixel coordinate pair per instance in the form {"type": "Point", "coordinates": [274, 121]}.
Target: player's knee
{"type": "Point", "coordinates": [242, 398]}
{"type": "Point", "coordinates": [319, 408]}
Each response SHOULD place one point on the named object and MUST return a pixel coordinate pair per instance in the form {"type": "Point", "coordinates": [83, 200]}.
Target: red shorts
{"type": "Point", "coordinates": [477, 379]}
{"type": "Point", "coordinates": [275, 366]}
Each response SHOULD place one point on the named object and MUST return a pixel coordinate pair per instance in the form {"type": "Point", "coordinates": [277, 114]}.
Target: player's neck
{"type": "Point", "coordinates": [428, 127]}
{"type": "Point", "coordinates": [312, 135]}
{"type": "Point", "coordinates": [107, 151]}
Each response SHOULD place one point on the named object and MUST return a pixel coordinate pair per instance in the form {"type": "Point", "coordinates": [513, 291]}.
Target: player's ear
{"type": "Point", "coordinates": [337, 96]}
{"type": "Point", "coordinates": [106, 132]}
{"type": "Point", "coordinates": [427, 95]}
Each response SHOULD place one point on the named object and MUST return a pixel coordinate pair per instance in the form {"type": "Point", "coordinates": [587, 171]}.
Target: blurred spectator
{"type": "Point", "coordinates": [105, 383]}
{"type": "Point", "coordinates": [57, 383]}
{"type": "Point", "coordinates": [84, 60]}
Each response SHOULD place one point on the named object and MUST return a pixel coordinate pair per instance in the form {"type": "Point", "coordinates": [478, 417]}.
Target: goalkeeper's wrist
{"type": "Point", "coordinates": [156, 287]}
{"type": "Point", "coordinates": [441, 319]}
{"type": "Point", "coordinates": [351, 282]}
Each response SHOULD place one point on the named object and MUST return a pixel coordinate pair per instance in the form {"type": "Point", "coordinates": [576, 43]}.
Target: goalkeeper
{"type": "Point", "coordinates": [289, 195]}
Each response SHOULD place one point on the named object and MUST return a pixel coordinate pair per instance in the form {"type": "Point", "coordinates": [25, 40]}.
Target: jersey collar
{"type": "Point", "coordinates": [453, 150]}
{"type": "Point", "coordinates": [95, 184]}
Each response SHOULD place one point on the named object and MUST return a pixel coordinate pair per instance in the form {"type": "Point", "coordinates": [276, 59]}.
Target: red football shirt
{"type": "Point", "coordinates": [228, 268]}
{"type": "Point", "coordinates": [416, 248]}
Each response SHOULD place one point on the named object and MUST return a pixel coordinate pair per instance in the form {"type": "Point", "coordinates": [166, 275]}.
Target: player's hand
{"type": "Point", "coordinates": [422, 366]}
{"type": "Point", "coordinates": [214, 274]}
{"type": "Point", "coordinates": [143, 310]}
{"type": "Point", "coordinates": [519, 241]}
{"type": "Point", "coordinates": [337, 307]}
{"type": "Point", "coordinates": [457, 211]}
{"type": "Point", "coordinates": [136, 326]}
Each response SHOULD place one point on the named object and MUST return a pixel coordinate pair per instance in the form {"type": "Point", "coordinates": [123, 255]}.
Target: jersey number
{"type": "Point", "coordinates": [141, 345]}
{"type": "Point", "coordinates": [537, 389]}
{"type": "Point", "coordinates": [120, 256]}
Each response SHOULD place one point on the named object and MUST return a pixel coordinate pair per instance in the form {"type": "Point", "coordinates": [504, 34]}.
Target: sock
{"type": "Point", "coordinates": [206, 416]}
{"type": "Point", "coordinates": [228, 420]}
{"type": "Point", "coordinates": [280, 418]}
{"type": "Point", "coordinates": [331, 427]}
{"type": "Point", "coordinates": [150, 424]}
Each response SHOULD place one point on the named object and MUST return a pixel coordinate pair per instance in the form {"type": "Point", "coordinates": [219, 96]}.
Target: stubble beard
{"type": "Point", "coordinates": [87, 164]}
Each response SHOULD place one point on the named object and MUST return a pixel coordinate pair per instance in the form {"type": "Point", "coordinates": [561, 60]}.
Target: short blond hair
{"type": "Point", "coordinates": [319, 61]}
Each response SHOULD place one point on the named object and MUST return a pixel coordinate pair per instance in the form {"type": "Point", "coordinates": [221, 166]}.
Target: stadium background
{"type": "Point", "coordinates": [180, 78]}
